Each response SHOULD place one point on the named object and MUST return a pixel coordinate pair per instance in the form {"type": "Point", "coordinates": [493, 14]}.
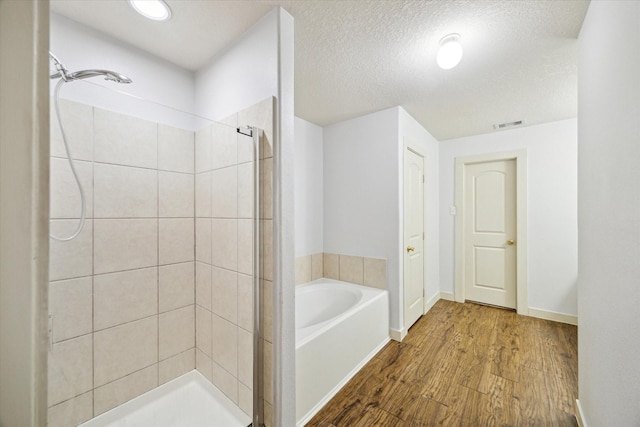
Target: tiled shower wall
{"type": "Point", "coordinates": [122, 293]}
{"type": "Point", "coordinates": [224, 257]}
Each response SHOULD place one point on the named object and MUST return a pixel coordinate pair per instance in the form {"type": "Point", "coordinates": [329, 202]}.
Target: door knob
{"type": "Point", "coordinates": [510, 242]}
{"type": "Point", "coordinates": [410, 249]}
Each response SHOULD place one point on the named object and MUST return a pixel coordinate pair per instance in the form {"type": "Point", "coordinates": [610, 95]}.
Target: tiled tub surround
{"type": "Point", "coordinates": [224, 183]}
{"type": "Point", "coordinates": [353, 269]}
{"type": "Point", "coordinates": [122, 293]}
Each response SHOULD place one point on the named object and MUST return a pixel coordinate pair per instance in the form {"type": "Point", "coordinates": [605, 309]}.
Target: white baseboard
{"type": "Point", "coordinates": [431, 302]}
{"type": "Point", "coordinates": [398, 335]}
{"type": "Point", "coordinates": [552, 315]}
{"type": "Point", "coordinates": [447, 295]}
{"type": "Point", "coordinates": [580, 415]}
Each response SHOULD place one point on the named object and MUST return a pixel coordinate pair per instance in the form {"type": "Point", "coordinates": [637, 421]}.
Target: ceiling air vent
{"type": "Point", "coordinates": [508, 125]}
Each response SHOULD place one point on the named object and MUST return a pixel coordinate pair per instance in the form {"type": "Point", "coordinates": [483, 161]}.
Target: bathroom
{"type": "Point", "coordinates": [161, 231]}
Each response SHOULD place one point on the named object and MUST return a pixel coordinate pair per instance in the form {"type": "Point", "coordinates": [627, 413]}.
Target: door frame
{"type": "Point", "coordinates": [520, 157]}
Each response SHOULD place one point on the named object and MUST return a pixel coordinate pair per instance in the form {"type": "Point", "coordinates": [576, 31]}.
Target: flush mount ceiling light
{"type": "Point", "coordinates": [152, 9]}
{"type": "Point", "coordinates": [450, 52]}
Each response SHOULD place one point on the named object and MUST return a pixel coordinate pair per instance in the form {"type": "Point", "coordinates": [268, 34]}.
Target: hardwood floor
{"type": "Point", "coordinates": [465, 365]}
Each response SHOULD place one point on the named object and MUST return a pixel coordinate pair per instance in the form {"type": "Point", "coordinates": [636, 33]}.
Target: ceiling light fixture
{"type": "Point", "coordinates": [157, 10]}
{"type": "Point", "coordinates": [450, 52]}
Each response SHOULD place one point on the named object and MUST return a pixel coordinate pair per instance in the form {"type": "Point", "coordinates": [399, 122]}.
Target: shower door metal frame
{"type": "Point", "coordinates": [258, 376]}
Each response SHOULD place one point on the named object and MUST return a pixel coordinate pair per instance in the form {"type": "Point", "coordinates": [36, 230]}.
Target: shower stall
{"type": "Point", "coordinates": [161, 259]}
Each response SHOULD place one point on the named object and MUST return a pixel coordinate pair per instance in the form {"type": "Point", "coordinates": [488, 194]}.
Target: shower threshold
{"type": "Point", "coordinates": [187, 401]}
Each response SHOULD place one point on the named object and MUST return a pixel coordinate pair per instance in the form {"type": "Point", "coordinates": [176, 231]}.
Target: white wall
{"type": "Point", "coordinates": [308, 187]}
{"type": "Point", "coordinates": [79, 48]}
{"type": "Point", "coordinates": [411, 132]}
{"type": "Point", "coordinates": [244, 74]}
{"type": "Point", "coordinates": [552, 208]}
{"type": "Point", "coordinates": [609, 214]}
{"type": "Point", "coordinates": [361, 214]}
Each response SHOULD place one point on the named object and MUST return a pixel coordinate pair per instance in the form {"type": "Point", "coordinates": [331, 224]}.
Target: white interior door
{"type": "Point", "coordinates": [490, 232]}
{"type": "Point", "coordinates": [413, 237]}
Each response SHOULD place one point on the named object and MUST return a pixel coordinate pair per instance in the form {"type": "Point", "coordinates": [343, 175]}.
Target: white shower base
{"type": "Point", "coordinates": [188, 401]}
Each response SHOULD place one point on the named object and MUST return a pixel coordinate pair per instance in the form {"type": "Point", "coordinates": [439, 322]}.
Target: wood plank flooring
{"type": "Point", "coordinates": [465, 365]}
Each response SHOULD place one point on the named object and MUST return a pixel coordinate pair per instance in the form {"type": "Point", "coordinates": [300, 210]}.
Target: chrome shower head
{"type": "Point", "coordinates": [108, 75]}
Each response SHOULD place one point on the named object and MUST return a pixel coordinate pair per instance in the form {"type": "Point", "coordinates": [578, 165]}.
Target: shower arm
{"type": "Point", "coordinates": [62, 73]}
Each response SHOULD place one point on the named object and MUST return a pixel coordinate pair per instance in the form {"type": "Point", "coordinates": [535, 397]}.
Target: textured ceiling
{"type": "Point", "coordinates": [355, 57]}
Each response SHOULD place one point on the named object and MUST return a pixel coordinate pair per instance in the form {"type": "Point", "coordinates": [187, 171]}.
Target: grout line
{"type": "Point", "coordinates": [158, 240]}
{"type": "Point", "coordinates": [93, 231]}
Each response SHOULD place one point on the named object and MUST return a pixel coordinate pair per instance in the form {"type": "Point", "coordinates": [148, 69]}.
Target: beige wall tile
{"type": "Point", "coordinates": [375, 272]}
{"type": "Point", "coordinates": [267, 309]}
{"type": "Point", "coordinates": [225, 243]}
{"type": "Point", "coordinates": [245, 302]}
{"type": "Point", "coordinates": [65, 196]}
{"type": "Point", "coordinates": [125, 349]}
{"type": "Point", "coordinates": [331, 268]}
{"type": "Point", "coordinates": [231, 120]}
{"type": "Point", "coordinates": [245, 246]}
{"type": "Point", "coordinates": [175, 149]}
{"type": "Point", "coordinates": [125, 140]}
{"type": "Point", "coordinates": [317, 266]}
{"type": "Point", "coordinates": [303, 269]}
{"type": "Point", "coordinates": [245, 149]}
{"type": "Point", "coordinates": [124, 244]}
{"type": "Point", "coordinates": [70, 369]}
{"type": "Point", "coordinates": [203, 285]}
{"type": "Point", "coordinates": [124, 192]}
{"type": "Point", "coordinates": [177, 332]}
{"type": "Point", "coordinates": [245, 190]}
{"type": "Point", "coordinates": [176, 240]}
{"type": "Point", "coordinates": [268, 415]}
{"type": "Point", "coordinates": [266, 265]}
{"type": "Point", "coordinates": [268, 328]}
{"type": "Point", "coordinates": [176, 366]}
{"type": "Point", "coordinates": [224, 147]}
{"type": "Point", "coordinates": [124, 296]}
{"type": "Point", "coordinates": [260, 115]}
{"type": "Point", "coordinates": [224, 192]}
{"type": "Point", "coordinates": [351, 269]}
{"type": "Point", "coordinates": [227, 383]}
{"type": "Point", "coordinates": [176, 194]}
{"type": "Point", "coordinates": [124, 389]}
{"type": "Point", "coordinates": [245, 357]}
{"type": "Point", "coordinates": [203, 145]}
{"type": "Point", "coordinates": [225, 344]}
{"type": "Point", "coordinates": [268, 371]}
{"type": "Point", "coordinates": [71, 412]}
{"type": "Point", "coordinates": [77, 120]}
{"type": "Point", "coordinates": [245, 399]}
{"type": "Point", "coordinates": [203, 240]}
{"type": "Point", "coordinates": [203, 195]}
{"type": "Point", "coordinates": [204, 364]}
{"type": "Point", "coordinates": [203, 330]}
{"type": "Point", "coordinates": [71, 306]}
{"type": "Point", "coordinates": [224, 294]}
{"type": "Point", "coordinates": [266, 181]}
{"type": "Point", "coordinates": [73, 258]}
{"type": "Point", "coordinates": [176, 286]}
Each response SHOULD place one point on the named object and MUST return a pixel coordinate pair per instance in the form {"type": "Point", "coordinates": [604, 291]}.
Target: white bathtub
{"type": "Point", "coordinates": [339, 328]}
{"type": "Point", "coordinates": [188, 401]}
